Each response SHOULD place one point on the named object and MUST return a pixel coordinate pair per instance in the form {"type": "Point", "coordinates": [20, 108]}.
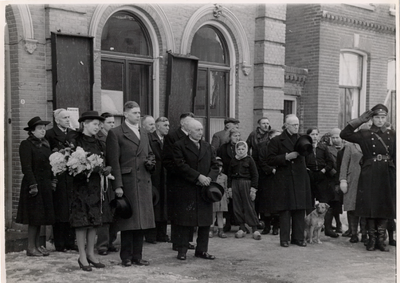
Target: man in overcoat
{"type": "Point", "coordinates": [63, 234]}
{"type": "Point", "coordinates": [196, 167]}
{"type": "Point", "coordinates": [168, 162]}
{"type": "Point", "coordinates": [158, 179]}
{"type": "Point", "coordinates": [291, 193]}
{"type": "Point", "coordinates": [222, 137]}
{"type": "Point", "coordinates": [376, 194]}
{"type": "Point", "coordinates": [128, 150]}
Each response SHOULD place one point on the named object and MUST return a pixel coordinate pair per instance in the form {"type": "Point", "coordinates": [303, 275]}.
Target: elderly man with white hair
{"type": "Point", "coordinates": [63, 234]}
{"type": "Point", "coordinates": [196, 167]}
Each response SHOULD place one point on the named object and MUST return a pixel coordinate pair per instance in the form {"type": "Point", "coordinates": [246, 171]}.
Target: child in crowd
{"type": "Point", "coordinates": [222, 205]}
{"type": "Point", "coordinates": [242, 183]}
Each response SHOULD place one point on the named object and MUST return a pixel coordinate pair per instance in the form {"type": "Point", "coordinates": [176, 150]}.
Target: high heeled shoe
{"type": "Point", "coordinates": [95, 264]}
{"type": "Point", "coordinates": [84, 267]}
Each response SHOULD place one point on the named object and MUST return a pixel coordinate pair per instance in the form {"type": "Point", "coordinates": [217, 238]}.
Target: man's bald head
{"type": "Point", "coordinates": [195, 129]}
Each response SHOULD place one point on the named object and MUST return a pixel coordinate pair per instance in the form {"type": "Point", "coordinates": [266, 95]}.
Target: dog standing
{"type": "Point", "coordinates": [314, 222]}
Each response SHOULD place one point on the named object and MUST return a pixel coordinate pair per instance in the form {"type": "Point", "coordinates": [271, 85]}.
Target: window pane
{"type": "Point", "coordinates": [123, 33]}
{"type": "Point", "coordinates": [350, 69]}
{"type": "Point", "coordinates": [139, 86]}
{"type": "Point", "coordinates": [112, 75]}
{"type": "Point", "coordinates": [349, 105]}
{"type": "Point", "coordinates": [201, 94]}
{"type": "Point", "coordinates": [218, 96]}
{"type": "Point", "coordinates": [208, 46]}
{"type": "Point", "coordinates": [287, 108]}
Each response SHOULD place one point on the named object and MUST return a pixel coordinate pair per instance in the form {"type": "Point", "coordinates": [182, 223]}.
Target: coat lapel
{"type": "Point", "coordinates": [286, 141]}
{"type": "Point", "coordinates": [129, 134]}
{"type": "Point", "coordinates": [191, 146]}
{"type": "Point", "coordinates": [203, 149]}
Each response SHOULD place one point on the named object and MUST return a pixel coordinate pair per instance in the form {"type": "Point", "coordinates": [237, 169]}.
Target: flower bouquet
{"type": "Point", "coordinates": [75, 162]}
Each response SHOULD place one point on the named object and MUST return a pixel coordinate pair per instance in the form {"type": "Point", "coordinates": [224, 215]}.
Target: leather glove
{"type": "Point", "coordinates": [343, 186]}
{"type": "Point", "coordinates": [292, 155]}
{"type": "Point", "coordinates": [33, 190]}
{"type": "Point", "coordinates": [253, 192]}
{"type": "Point", "coordinates": [366, 116]}
{"type": "Point", "coordinates": [106, 170]}
{"type": "Point", "coordinates": [54, 184]}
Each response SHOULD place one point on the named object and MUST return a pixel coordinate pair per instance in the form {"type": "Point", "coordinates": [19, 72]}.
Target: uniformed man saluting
{"type": "Point", "coordinates": [376, 193]}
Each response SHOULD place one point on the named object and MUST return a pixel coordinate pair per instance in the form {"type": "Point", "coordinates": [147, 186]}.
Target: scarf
{"type": "Point", "coordinates": [240, 143]}
{"type": "Point", "coordinates": [38, 142]}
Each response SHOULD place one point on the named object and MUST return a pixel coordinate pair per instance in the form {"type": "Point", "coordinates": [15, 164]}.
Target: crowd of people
{"type": "Point", "coordinates": [269, 182]}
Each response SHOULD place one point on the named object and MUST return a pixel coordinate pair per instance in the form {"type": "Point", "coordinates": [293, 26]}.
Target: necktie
{"type": "Point", "coordinates": [162, 143]}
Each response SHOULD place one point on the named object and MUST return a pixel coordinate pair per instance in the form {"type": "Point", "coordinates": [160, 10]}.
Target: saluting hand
{"type": "Point", "coordinates": [366, 116]}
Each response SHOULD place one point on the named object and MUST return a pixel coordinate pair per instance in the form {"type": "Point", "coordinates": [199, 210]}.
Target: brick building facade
{"type": "Point", "coordinates": [276, 59]}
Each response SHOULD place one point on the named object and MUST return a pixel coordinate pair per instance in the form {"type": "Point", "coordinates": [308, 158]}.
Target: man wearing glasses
{"type": "Point", "coordinates": [291, 191]}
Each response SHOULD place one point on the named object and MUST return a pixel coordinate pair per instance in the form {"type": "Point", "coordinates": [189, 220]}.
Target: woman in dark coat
{"type": "Point", "coordinates": [86, 203]}
{"type": "Point", "coordinates": [376, 195]}
{"type": "Point", "coordinates": [35, 206]}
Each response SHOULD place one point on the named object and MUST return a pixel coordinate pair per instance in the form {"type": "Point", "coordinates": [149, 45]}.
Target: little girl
{"type": "Point", "coordinates": [242, 182]}
{"type": "Point", "coordinates": [222, 205]}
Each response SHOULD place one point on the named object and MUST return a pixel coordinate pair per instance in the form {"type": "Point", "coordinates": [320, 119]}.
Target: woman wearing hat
{"type": "Point", "coordinates": [376, 193]}
{"type": "Point", "coordinates": [35, 206]}
{"type": "Point", "coordinates": [86, 205]}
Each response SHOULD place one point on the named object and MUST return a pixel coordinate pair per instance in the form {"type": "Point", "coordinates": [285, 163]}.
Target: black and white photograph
{"type": "Point", "coordinates": [199, 142]}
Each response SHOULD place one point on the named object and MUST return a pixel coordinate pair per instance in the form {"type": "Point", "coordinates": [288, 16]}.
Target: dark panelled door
{"type": "Point", "coordinates": [72, 69]}
{"type": "Point", "coordinates": [181, 86]}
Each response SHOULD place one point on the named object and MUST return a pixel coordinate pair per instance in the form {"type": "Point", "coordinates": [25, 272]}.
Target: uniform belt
{"type": "Point", "coordinates": [381, 157]}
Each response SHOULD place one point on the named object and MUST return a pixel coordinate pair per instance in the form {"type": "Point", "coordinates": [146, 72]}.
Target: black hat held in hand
{"type": "Point", "coordinates": [303, 145]}
{"type": "Point", "coordinates": [122, 207]}
{"type": "Point", "coordinates": [213, 192]}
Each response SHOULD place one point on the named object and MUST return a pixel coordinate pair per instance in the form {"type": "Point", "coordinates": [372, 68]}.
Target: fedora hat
{"type": "Point", "coordinates": [303, 145]}
{"type": "Point", "coordinates": [90, 115]}
{"type": "Point", "coordinates": [213, 192]}
{"type": "Point", "coordinates": [122, 207]}
{"type": "Point", "coordinates": [34, 122]}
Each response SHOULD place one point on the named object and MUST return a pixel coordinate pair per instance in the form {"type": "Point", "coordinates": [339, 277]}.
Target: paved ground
{"type": "Point", "coordinates": [238, 260]}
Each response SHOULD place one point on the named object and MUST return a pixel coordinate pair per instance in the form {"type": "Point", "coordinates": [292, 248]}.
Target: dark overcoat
{"type": "Point", "coordinates": [190, 208]}
{"type": "Point", "coordinates": [291, 184]}
{"type": "Point", "coordinates": [226, 152]}
{"type": "Point", "coordinates": [169, 165]}
{"type": "Point", "coordinates": [158, 178]}
{"type": "Point", "coordinates": [266, 177]}
{"type": "Point", "coordinates": [376, 195]}
{"type": "Point", "coordinates": [126, 154]}
{"type": "Point", "coordinates": [220, 138]}
{"type": "Point", "coordinates": [35, 165]}
{"type": "Point", "coordinates": [63, 193]}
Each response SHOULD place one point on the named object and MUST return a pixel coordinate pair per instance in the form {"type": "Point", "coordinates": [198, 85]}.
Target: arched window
{"type": "Point", "coordinates": [126, 64]}
{"type": "Point", "coordinates": [212, 97]}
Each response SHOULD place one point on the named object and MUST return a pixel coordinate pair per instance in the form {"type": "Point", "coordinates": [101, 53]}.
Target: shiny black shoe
{"type": "Point", "coordinates": [265, 231]}
{"type": "Point", "coordinates": [299, 243]}
{"type": "Point", "coordinates": [181, 256]}
{"type": "Point", "coordinates": [102, 252]}
{"type": "Point", "coordinates": [354, 239]}
{"type": "Point", "coordinates": [275, 231]}
{"type": "Point", "coordinates": [113, 249]}
{"type": "Point", "coordinates": [285, 244]}
{"type": "Point", "coordinates": [347, 233]}
{"type": "Point", "coordinates": [140, 262]}
{"type": "Point", "coordinates": [191, 246]}
{"type": "Point", "coordinates": [126, 262]}
{"type": "Point", "coordinates": [84, 267]}
{"type": "Point", "coordinates": [204, 255]}
{"type": "Point", "coordinates": [331, 234]}
{"type": "Point", "coordinates": [95, 264]}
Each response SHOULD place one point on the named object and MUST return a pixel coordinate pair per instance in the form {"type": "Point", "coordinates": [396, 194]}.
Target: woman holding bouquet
{"type": "Point", "coordinates": [86, 206]}
{"type": "Point", "coordinates": [35, 206]}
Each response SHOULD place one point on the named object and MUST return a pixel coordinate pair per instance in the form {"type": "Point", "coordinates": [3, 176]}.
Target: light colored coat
{"type": "Point", "coordinates": [126, 154]}
{"type": "Point", "coordinates": [350, 170]}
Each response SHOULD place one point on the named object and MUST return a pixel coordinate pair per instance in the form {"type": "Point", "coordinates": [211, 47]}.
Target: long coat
{"type": "Point", "coordinates": [190, 208]}
{"type": "Point", "coordinates": [158, 178]}
{"type": "Point", "coordinates": [86, 203]}
{"type": "Point", "coordinates": [126, 154]}
{"type": "Point", "coordinates": [35, 165]}
{"type": "Point", "coordinates": [350, 171]}
{"type": "Point", "coordinates": [226, 152]}
{"type": "Point", "coordinates": [265, 180]}
{"type": "Point", "coordinates": [63, 193]}
{"type": "Point", "coordinates": [376, 195]}
{"type": "Point", "coordinates": [291, 185]}
{"type": "Point", "coordinates": [220, 138]}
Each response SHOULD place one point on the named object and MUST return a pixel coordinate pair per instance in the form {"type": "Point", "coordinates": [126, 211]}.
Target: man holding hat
{"type": "Point", "coordinates": [376, 195]}
{"type": "Point", "coordinates": [221, 137]}
{"type": "Point", "coordinates": [291, 190]}
{"type": "Point", "coordinates": [196, 167]}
